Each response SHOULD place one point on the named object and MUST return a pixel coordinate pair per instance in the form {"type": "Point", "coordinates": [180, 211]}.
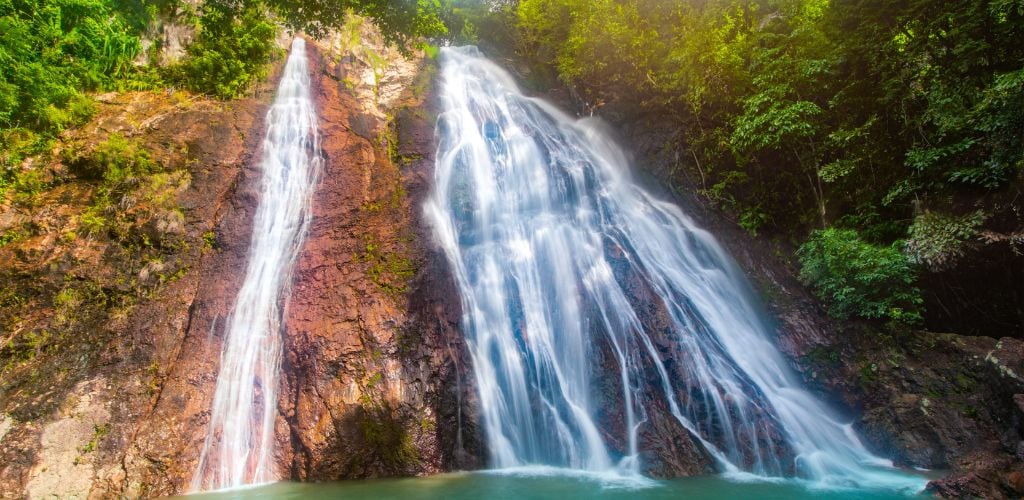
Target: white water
{"type": "Point", "coordinates": [239, 444]}
{"type": "Point", "coordinates": [556, 252]}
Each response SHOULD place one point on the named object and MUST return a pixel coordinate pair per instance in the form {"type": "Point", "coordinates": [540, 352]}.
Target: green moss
{"type": "Point", "coordinates": [26, 347]}
{"type": "Point", "coordinates": [28, 185]}
{"type": "Point", "coordinates": [92, 221]}
{"type": "Point", "coordinates": [386, 438]}
{"type": "Point", "coordinates": [390, 271]}
{"type": "Point", "coordinates": [393, 202]}
{"type": "Point", "coordinates": [822, 357]}
{"type": "Point", "coordinates": [165, 278]}
{"type": "Point", "coordinates": [12, 300]}
{"type": "Point", "coordinates": [427, 424]}
{"type": "Point", "coordinates": [397, 195]}
{"type": "Point", "coordinates": [424, 78]}
{"type": "Point", "coordinates": [350, 83]}
{"type": "Point", "coordinates": [387, 139]}
{"type": "Point", "coordinates": [113, 161]}
{"type": "Point", "coordinates": [76, 299]}
{"type": "Point", "coordinates": [374, 379]}
{"type": "Point", "coordinates": [970, 411]}
{"type": "Point", "coordinates": [99, 432]}
{"type": "Point", "coordinates": [372, 207]}
{"type": "Point", "coordinates": [867, 374]}
{"type": "Point", "coordinates": [16, 144]}
{"type": "Point", "coordinates": [407, 342]}
{"type": "Point", "coordinates": [965, 383]}
{"type": "Point", "coordinates": [12, 235]}
{"type": "Point", "coordinates": [209, 240]}
{"type": "Point", "coordinates": [10, 297]}
{"type": "Point", "coordinates": [153, 387]}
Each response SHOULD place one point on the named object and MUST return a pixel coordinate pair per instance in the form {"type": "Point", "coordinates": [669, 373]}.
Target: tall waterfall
{"type": "Point", "coordinates": [239, 443]}
{"type": "Point", "coordinates": [557, 252]}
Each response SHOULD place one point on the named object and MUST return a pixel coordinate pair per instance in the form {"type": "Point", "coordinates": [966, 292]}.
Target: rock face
{"type": "Point", "coordinates": [110, 400]}
{"type": "Point", "coordinates": [376, 379]}
{"type": "Point", "coordinates": [375, 365]}
{"type": "Point", "coordinates": [64, 471]}
{"type": "Point", "coordinates": [163, 449]}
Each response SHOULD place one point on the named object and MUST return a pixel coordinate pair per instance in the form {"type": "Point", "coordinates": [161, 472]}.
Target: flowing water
{"type": "Point", "coordinates": [239, 444]}
{"type": "Point", "coordinates": [562, 262]}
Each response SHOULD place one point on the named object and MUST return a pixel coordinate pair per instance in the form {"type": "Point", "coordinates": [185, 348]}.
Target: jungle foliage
{"type": "Point", "coordinates": [54, 53]}
{"type": "Point", "coordinates": [232, 50]}
{"type": "Point", "coordinates": [884, 120]}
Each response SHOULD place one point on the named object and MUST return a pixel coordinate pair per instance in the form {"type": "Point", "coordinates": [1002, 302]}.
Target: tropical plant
{"type": "Point", "coordinates": [857, 278]}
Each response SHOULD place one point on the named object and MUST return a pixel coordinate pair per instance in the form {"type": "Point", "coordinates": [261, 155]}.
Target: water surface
{"type": "Point", "coordinates": [498, 485]}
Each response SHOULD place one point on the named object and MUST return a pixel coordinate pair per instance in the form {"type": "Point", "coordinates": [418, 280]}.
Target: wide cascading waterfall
{"type": "Point", "coordinates": [239, 444]}
{"type": "Point", "coordinates": [556, 251]}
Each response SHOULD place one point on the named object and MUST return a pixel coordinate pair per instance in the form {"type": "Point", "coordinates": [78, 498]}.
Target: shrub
{"type": "Point", "coordinates": [51, 51]}
{"type": "Point", "coordinates": [92, 221]}
{"type": "Point", "coordinates": [12, 236]}
{"type": "Point", "coordinates": [231, 52]}
{"type": "Point", "coordinates": [28, 185]}
{"type": "Point", "coordinates": [857, 278]}
{"type": "Point", "coordinates": [938, 240]}
{"type": "Point", "coordinates": [120, 165]}
{"type": "Point", "coordinates": [114, 161]}
{"type": "Point", "coordinates": [121, 159]}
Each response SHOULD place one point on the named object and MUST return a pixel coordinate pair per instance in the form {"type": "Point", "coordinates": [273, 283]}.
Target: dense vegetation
{"type": "Point", "coordinates": [53, 53]}
{"type": "Point", "coordinates": [900, 124]}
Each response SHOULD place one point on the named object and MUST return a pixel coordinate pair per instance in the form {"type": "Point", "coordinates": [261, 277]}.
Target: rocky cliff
{"type": "Point", "coordinates": [115, 293]}
{"type": "Point", "coordinates": [110, 284]}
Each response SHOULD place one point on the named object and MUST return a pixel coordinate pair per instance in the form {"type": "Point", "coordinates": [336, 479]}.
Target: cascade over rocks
{"type": "Point", "coordinates": [932, 400]}
{"type": "Point", "coordinates": [561, 258]}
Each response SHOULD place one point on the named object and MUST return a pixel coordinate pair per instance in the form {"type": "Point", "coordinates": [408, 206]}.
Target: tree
{"type": "Point", "coordinates": [401, 21]}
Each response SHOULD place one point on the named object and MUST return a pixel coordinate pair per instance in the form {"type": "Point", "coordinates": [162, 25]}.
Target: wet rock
{"type": "Point", "coordinates": [165, 227]}
{"type": "Point", "coordinates": [375, 372]}
{"type": "Point", "coordinates": [982, 476]}
{"type": "Point", "coordinates": [363, 125]}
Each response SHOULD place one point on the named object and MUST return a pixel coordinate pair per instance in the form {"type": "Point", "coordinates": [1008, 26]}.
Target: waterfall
{"type": "Point", "coordinates": [562, 261]}
{"type": "Point", "coordinates": [239, 443]}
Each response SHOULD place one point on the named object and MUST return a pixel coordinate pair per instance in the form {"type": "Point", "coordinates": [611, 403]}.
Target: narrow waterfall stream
{"type": "Point", "coordinates": [239, 443]}
{"type": "Point", "coordinates": [556, 251]}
